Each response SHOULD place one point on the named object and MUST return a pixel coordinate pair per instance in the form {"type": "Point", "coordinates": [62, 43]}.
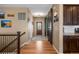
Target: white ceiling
{"type": "Point", "coordinates": [37, 9]}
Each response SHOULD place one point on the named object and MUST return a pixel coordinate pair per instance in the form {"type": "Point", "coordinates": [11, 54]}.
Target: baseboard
{"type": "Point", "coordinates": [56, 49]}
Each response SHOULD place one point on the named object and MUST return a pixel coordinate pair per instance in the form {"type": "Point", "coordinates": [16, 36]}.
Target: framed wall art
{"type": "Point", "coordinates": [6, 23]}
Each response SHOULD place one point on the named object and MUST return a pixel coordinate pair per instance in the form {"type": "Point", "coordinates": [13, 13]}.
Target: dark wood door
{"type": "Point", "coordinates": [67, 9]}
{"type": "Point", "coordinates": [73, 44]}
{"type": "Point", "coordinates": [78, 15]}
{"type": "Point", "coordinates": [50, 31]}
{"type": "Point", "coordinates": [71, 14]}
{"type": "Point", "coordinates": [78, 44]}
{"type": "Point", "coordinates": [50, 26]}
{"type": "Point", "coordinates": [74, 15]}
{"type": "Point", "coordinates": [39, 28]}
{"type": "Point", "coordinates": [66, 44]}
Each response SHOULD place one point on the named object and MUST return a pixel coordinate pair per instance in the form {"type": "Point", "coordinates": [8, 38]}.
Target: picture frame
{"type": "Point", "coordinates": [6, 23]}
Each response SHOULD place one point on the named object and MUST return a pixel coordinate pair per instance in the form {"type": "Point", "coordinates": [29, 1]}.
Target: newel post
{"type": "Point", "coordinates": [18, 42]}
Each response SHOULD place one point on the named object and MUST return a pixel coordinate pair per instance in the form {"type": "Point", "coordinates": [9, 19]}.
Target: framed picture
{"type": "Point", "coordinates": [10, 15]}
{"type": "Point", "coordinates": [6, 23]}
{"type": "Point", "coordinates": [2, 15]}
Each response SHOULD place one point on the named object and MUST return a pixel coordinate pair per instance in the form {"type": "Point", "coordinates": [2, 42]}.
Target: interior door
{"type": "Point", "coordinates": [50, 26]}
{"type": "Point", "coordinates": [39, 28]}
{"type": "Point", "coordinates": [50, 30]}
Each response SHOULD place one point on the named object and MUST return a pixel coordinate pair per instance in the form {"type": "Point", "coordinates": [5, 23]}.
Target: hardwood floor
{"type": "Point", "coordinates": [38, 47]}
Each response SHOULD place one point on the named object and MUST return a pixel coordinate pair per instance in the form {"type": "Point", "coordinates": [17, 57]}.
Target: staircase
{"type": "Point", "coordinates": [10, 43]}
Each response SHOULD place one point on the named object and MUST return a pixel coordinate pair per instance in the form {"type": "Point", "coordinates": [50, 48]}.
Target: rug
{"type": "Point", "coordinates": [39, 38]}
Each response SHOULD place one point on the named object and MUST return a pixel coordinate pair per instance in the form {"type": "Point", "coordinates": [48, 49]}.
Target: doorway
{"type": "Point", "coordinates": [49, 22]}
{"type": "Point", "coordinates": [39, 28]}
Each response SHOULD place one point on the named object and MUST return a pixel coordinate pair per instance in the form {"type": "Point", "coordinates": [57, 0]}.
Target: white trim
{"type": "Point", "coordinates": [55, 49]}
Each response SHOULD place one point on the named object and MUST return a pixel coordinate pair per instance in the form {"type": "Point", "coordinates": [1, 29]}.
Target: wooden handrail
{"type": "Point", "coordinates": [10, 43]}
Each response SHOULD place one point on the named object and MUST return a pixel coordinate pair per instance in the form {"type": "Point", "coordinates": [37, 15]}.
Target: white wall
{"type": "Point", "coordinates": [30, 25]}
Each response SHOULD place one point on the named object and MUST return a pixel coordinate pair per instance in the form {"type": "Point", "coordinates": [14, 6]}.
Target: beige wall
{"type": "Point", "coordinates": [17, 25]}
{"type": "Point", "coordinates": [57, 28]}
{"type": "Point", "coordinates": [39, 19]}
{"type": "Point", "coordinates": [61, 29]}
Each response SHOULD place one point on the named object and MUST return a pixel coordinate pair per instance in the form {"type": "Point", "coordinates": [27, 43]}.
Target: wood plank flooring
{"type": "Point", "coordinates": [38, 47]}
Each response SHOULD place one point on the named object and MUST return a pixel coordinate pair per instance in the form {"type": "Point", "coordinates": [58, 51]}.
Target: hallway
{"type": "Point", "coordinates": [33, 19]}
{"type": "Point", "coordinates": [38, 47]}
